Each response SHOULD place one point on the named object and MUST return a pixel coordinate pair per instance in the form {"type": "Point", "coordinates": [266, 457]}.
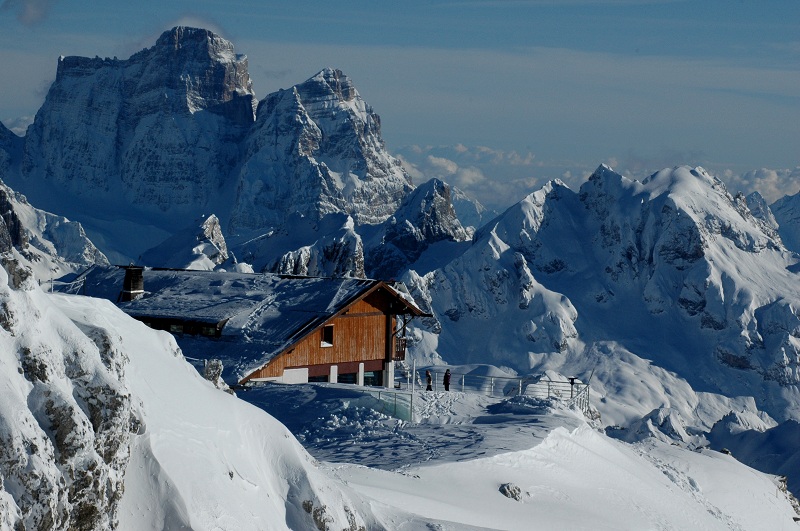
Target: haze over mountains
{"type": "Point", "coordinates": [167, 159]}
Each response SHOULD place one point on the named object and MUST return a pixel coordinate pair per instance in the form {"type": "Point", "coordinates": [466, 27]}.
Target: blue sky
{"type": "Point", "coordinates": [495, 96]}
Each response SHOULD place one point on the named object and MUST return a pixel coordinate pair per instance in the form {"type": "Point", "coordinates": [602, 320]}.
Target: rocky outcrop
{"type": "Point", "coordinates": [51, 245]}
{"type": "Point", "coordinates": [10, 146]}
{"type": "Point", "coordinates": [317, 147]}
{"type": "Point", "coordinates": [425, 217]}
{"type": "Point", "coordinates": [762, 213]}
{"type": "Point", "coordinates": [12, 233]}
{"type": "Point", "coordinates": [337, 254]}
{"type": "Point", "coordinates": [64, 420]}
{"type": "Point", "coordinates": [200, 246]}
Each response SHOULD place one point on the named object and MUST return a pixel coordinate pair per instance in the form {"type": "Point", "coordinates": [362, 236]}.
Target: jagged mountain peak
{"type": "Point", "coordinates": [683, 179]}
{"type": "Point", "coordinates": [6, 136]}
{"type": "Point", "coordinates": [334, 80]}
{"type": "Point", "coordinates": [690, 197]}
{"type": "Point", "coordinates": [200, 66]}
{"type": "Point", "coordinates": [425, 217]}
{"type": "Point", "coordinates": [524, 216]}
{"type": "Point", "coordinates": [603, 171]}
{"type": "Point", "coordinates": [153, 135]}
{"type": "Point", "coordinates": [50, 245]}
{"type": "Point", "coordinates": [763, 214]}
{"type": "Point", "coordinates": [181, 37]}
{"type": "Point", "coordinates": [318, 147]}
{"type": "Point", "coordinates": [199, 246]}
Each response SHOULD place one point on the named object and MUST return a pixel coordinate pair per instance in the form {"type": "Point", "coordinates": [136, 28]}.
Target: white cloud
{"type": "Point", "coordinates": [18, 126]}
{"type": "Point", "coordinates": [441, 166]}
{"type": "Point", "coordinates": [494, 177]}
{"type": "Point", "coordinates": [469, 177]}
{"type": "Point", "coordinates": [771, 184]}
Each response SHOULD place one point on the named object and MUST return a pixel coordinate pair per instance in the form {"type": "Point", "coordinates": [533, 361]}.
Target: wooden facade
{"type": "Point", "coordinates": [362, 332]}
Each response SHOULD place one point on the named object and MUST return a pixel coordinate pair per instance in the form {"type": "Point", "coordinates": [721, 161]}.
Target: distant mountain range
{"type": "Point", "coordinates": [138, 149]}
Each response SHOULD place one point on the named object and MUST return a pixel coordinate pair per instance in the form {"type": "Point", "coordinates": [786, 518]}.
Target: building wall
{"type": "Point", "coordinates": [362, 334]}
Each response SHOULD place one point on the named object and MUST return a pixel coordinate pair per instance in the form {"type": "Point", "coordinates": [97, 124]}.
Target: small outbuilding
{"type": "Point", "coordinates": [267, 327]}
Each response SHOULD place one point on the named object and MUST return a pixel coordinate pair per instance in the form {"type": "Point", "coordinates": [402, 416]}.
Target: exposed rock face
{"type": "Point", "coordinates": [12, 233]}
{"type": "Point", "coordinates": [200, 246]}
{"type": "Point", "coordinates": [317, 147]}
{"type": "Point", "coordinates": [52, 245]}
{"type": "Point", "coordinates": [171, 133]}
{"type": "Point", "coordinates": [426, 216]}
{"type": "Point", "coordinates": [339, 254]}
{"type": "Point", "coordinates": [10, 144]}
{"type": "Point", "coordinates": [509, 490]}
{"type": "Point", "coordinates": [471, 213]}
{"type": "Point", "coordinates": [64, 420]}
{"type": "Point", "coordinates": [762, 213]}
{"type": "Point", "coordinates": [159, 130]}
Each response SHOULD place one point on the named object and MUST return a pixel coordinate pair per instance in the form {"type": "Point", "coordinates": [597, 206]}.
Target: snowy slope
{"type": "Point", "coordinates": [91, 395]}
{"type": "Point", "coordinates": [450, 467]}
{"type": "Point", "coordinates": [64, 414]}
{"type": "Point", "coordinates": [200, 457]}
{"type": "Point", "coordinates": [582, 480]}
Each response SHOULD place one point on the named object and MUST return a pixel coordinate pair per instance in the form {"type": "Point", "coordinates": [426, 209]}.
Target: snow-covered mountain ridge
{"type": "Point", "coordinates": [673, 269]}
{"type": "Point", "coordinates": [51, 245]}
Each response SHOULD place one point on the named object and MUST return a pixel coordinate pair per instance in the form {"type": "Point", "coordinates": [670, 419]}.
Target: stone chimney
{"type": "Point", "coordinates": [133, 284]}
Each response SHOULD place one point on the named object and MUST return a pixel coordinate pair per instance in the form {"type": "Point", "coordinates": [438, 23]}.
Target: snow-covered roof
{"type": "Point", "coordinates": [263, 313]}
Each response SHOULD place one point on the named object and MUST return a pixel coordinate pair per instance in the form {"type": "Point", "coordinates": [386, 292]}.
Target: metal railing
{"type": "Point", "coordinates": [571, 393]}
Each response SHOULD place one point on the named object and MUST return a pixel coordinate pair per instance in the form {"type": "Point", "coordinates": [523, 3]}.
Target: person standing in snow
{"type": "Point", "coordinates": [446, 380]}
{"type": "Point", "coordinates": [429, 380]}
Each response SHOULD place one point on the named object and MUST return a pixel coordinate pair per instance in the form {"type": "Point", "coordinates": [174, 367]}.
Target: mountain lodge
{"type": "Point", "coordinates": [267, 327]}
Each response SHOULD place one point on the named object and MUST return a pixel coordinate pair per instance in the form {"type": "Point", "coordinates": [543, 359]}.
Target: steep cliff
{"type": "Point", "coordinates": [317, 147]}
